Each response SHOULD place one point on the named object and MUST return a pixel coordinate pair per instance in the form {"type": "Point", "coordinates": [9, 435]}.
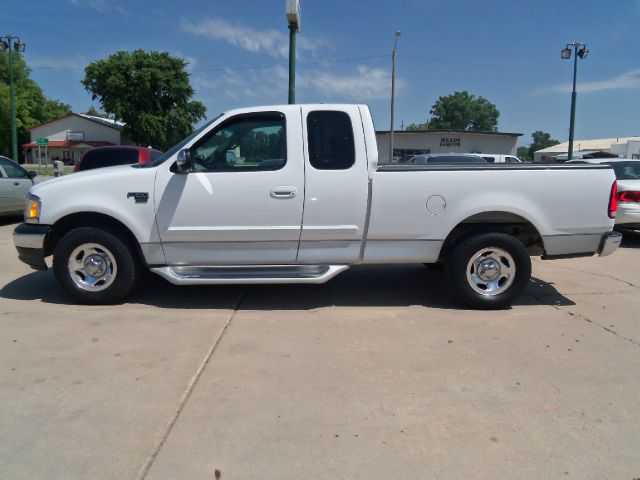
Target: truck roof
{"type": "Point", "coordinates": [320, 106]}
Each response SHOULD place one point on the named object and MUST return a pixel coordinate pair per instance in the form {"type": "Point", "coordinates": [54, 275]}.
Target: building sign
{"type": "Point", "coordinates": [450, 142]}
{"type": "Point", "coordinates": [75, 136]}
{"type": "Point", "coordinates": [42, 142]}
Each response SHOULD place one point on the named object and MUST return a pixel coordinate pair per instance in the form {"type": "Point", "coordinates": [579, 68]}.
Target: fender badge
{"type": "Point", "coordinates": [140, 197]}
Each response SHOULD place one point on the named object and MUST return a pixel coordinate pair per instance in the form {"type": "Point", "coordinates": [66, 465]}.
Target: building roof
{"type": "Point", "coordinates": [109, 122]}
{"type": "Point", "coordinates": [106, 122]}
{"type": "Point", "coordinates": [437, 130]}
{"type": "Point", "coordinates": [68, 144]}
{"type": "Point", "coordinates": [595, 144]}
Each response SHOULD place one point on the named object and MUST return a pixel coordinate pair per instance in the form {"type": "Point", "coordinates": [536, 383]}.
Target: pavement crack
{"type": "Point", "coordinates": [603, 327]}
{"type": "Point", "coordinates": [611, 277]}
{"type": "Point", "coordinates": [584, 318]}
{"type": "Point", "coordinates": [146, 467]}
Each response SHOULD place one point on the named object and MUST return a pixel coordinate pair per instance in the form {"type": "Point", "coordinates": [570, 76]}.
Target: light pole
{"type": "Point", "coordinates": [293, 18]}
{"type": "Point", "coordinates": [393, 95]}
{"type": "Point", "coordinates": [580, 50]}
{"type": "Point", "coordinates": [7, 43]}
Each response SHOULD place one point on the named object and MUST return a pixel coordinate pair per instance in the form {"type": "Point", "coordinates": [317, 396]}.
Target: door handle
{"type": "Point", "coordinates": [283, 192]}
{"type": "Point", "coordinates": [17, 184]}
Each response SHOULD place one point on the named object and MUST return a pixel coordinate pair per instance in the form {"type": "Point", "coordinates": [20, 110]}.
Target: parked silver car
{"type": "Point", "coordinates": [628, 175]}
{"type": "Point", "coordinates": [446, 159]}
{"type": "Point", "coordinates": [15, 183]}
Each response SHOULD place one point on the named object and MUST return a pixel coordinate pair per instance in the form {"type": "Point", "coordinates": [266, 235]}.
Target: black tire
{"type": "Point", "coordinates": [121, 260]}
{"type": "Point", "coordinates": [508, 283]}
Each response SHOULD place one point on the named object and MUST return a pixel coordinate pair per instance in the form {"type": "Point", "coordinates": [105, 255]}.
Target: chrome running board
{"type": "Point", "coordinates": [249, 274]}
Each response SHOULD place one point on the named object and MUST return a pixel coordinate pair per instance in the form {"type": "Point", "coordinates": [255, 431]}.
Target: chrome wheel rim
{"type": "Point", "coordinates": [491, 271]}
{"type": "Point", "coordinates": [92, 267]}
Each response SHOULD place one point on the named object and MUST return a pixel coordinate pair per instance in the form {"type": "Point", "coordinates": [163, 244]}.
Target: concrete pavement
{"type": "Point", "coordinates": [376, 374]}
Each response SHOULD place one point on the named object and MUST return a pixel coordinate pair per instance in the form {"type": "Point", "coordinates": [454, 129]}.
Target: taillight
{"type": "Point", "coordinates": [629, 196]}
{"type": "Point", "coordinates": [613, 200]}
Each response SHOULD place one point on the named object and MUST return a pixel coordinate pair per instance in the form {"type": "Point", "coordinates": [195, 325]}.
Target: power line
{"type": "Point", "coordinates": [489, 65]}
{"type": "Point", "coordinates": [258, 67]}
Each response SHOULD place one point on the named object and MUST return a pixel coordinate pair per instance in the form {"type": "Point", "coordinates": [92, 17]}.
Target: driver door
{"type": "Point", "coordinates": [242, 203]}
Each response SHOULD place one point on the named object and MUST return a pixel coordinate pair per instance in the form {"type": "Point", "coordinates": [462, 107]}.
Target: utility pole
{"type": "Point", "coordinates": [292, 9]}
{"type": "Point", "coordinates": [393, 95]}
{"type": "Point", "coordinates": [6, 43]}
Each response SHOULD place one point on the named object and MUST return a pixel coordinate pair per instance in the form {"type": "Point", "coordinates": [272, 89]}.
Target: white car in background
{"type": "Point", "coordinates": [15, 183]}
{"type": "Point", "coordinates": [495, 158]}
{"type": "Point", "coordinates": [628, 175]}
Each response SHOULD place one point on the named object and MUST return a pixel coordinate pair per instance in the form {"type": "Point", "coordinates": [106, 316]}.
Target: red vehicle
{"type": "Point", "coordinates": [100, 157]}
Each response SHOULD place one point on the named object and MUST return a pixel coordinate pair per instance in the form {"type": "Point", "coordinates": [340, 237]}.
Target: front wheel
{"type": "Point", "coordinates": [95, 266]}
{"type": "Point", "coordinates": [489, 270]}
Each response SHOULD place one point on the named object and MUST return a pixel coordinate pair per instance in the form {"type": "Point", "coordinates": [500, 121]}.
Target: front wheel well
{"type": "Point", "coordinates": [96, 220]}
{"type": "Point", "coordinates": [495, 222]}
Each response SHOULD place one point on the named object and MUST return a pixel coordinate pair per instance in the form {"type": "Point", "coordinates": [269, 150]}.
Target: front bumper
{"type": "Point", "coordinates": [30, 241]}
{"type": "Point", "coordinates": [609, 243]}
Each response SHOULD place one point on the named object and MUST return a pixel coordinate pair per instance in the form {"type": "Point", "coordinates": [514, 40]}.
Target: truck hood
{"type": "Point", "coordinates": [100, 178]}
{"type": "Point", "coordinates": [122, 192]}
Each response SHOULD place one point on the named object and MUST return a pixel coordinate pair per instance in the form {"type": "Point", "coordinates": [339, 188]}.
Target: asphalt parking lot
{"type": "Point", "coordinates": [376, 374]}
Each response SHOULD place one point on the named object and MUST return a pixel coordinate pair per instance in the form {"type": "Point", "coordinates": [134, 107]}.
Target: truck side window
{"type": "Point", "coordinates": [331, 144]}
{"type": "Point", "coordinates": [248, 143]}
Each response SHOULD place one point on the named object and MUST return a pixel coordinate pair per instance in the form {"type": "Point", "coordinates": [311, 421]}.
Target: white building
{"type": "Point", "coordinates": [70, 136]}
{"type": "Point", "coordinates": [623, 147]}
{"type": "Point", "coordinates": [415, 142]}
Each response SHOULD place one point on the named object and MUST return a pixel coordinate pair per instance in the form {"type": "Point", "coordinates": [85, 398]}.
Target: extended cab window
{"type": "Point", "coordinates": [331, 144]}
{"type": "Point", "coordinates": [245, 143]}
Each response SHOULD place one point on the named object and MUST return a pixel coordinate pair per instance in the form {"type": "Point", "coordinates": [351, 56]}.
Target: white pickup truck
{"type": "Point", "coordinates": [294, 194]}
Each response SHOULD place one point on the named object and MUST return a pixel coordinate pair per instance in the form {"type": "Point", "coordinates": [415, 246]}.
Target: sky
{"type": "Point", "coordinates": [237, 54]}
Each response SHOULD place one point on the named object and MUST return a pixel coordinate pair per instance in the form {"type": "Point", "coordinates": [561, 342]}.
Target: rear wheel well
{"type": "Point", "coordinates": [96, 220]}
{"type": "Point", "coordinates": [502, 222]}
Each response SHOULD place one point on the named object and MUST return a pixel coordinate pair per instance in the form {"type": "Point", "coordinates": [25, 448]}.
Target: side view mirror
{"type": "Point", "coordinates": [32, 174]}
{"type": "Point", "coordinates": [183, 163]}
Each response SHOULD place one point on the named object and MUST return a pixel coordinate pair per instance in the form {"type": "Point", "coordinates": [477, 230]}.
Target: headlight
{"type": "Point", "coordinates": [32, 212]}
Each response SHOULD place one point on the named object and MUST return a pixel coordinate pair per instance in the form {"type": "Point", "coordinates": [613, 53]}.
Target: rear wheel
{"type": "Point", "coordinates": [95, 266]}
{"type": "Point", "coordinates": [489, 270]}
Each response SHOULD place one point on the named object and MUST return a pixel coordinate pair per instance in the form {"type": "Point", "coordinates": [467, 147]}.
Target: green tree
{"type": "Point", "coordinates": [523, 154]}
{"type": "Point", "coordinates": [418, 126]}
{"type": "Point", "coordinates": [94, 112]}
{"type": "Point", "coordinates": [462, 111]}
{"type": "Point", "coordinates": [32, 107]}
{"type": "Point", "coordinates": [149, 91]}
{"type": "Point", "coordinates": [541, 140]}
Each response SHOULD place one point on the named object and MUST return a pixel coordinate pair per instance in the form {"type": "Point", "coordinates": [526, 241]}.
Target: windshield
{"type": "Point", "coordinates": [626, 170]}
{"type": "Point", "coordinates": [178, 146]}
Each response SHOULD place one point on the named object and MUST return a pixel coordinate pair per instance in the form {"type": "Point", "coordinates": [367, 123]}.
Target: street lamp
{"type": "Point", "coordinates": [7, 44]}
{"type": "Point", "coordinates": [292, 9]}
{"type": "Point", "coordinates": [393, 94]}
{"type": "Point", "coordinates": [580, 50]}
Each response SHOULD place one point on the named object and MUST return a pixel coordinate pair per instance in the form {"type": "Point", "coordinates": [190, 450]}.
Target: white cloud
{"type": "Point", "coordinates": [627, 80]}
{"type": "Point", "coordinates": [200, 82]}
{"type": "Point", "coordinates": [364, 83]}
{"type": "Point", "coordinates": [272, 42]}
{"type": "Point", "coordinates": [270, 85]}
{"type": "Point", "coordinates": [191, 61]}
{"type": "Point", "coordinates": [101, 6]}
{"type": "Point", "coordinates": [58, 63]}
